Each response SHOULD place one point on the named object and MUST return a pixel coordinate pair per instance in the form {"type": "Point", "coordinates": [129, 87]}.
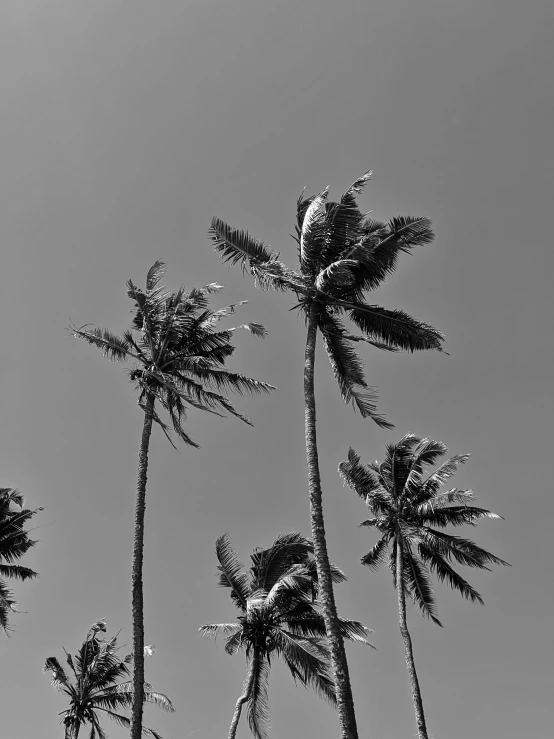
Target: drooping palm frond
{"type": "Point", "coordinates": [257, 709]}
{"type": "Point", "coordinates": [394, 327]}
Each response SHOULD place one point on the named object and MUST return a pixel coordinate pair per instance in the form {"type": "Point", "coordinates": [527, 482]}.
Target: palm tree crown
{"type": "Point", "coordinates": [342, 254]}
{"type": "Point", "coordinates": [279, 616]}
{"type": "Point", "coordinates": [408, 508]}
{"type": "Point", "coordinates": [98, 685]}
{"type": "Point", "coordinates": [14, 543]}
{"type": "Point", "coordinates": [178, 351]}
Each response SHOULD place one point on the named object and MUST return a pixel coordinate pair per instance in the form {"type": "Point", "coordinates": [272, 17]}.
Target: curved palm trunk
{"type": "Point", "coordinates": [416, 693]}
{"type": "Point", "coordinates": [345, 702]}
{"type": "Point", "coordinates": [138, 551]}
{"type": "Point", "coordinates": [248, 683]}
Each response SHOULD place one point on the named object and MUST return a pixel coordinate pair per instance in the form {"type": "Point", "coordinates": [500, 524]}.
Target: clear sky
{"type": "Point", "coordinates": [125, 126]}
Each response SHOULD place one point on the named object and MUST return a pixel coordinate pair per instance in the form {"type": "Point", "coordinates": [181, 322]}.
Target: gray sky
{"type": "Point", "coordinates": [125, 126]}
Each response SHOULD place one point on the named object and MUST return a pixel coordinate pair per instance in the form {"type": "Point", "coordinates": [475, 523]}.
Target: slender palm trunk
{"type": "Point", "coordinates": [247, 689]}
{"type": "Point", "coordinates": [345, 702]}
{"type": "Point", "coordinates": [416, 693]}
{"type": "Point", "coordinates": [138, 552]}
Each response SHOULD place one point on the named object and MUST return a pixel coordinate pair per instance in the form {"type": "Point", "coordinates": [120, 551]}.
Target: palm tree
{"type": "Point", "coordinates": [14, 543]}
{"type": "Point", "coordinates": [179, 357]}
{"type": "Point", "coordinates": [342, 254]}
{"type": "Point", "coordinates": [279, 616]}
{"type": "Point", "coordinates": [96, 686]}
{"type": "Point", "coordinates": [408, 508]}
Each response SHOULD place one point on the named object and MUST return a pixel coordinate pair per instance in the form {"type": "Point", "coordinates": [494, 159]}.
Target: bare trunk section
{"type": "Point", "coordinates": [416, 693]}
{"type": "Point", "coordinates": [345, 701]}
{"type": "Point", "coordinates": [244, 697]}
{"type": "Point", "coordinates": [138, 553]}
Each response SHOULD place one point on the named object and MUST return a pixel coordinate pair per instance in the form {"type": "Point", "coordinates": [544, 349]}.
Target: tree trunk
{"type": "Point", "coordinates": [345, 702]}
{"type": "Point", "coordinates": [416, 693]}
{"type": "Point", "coordinates": [247, 689]}
{"type": "Point", "coordinates": [138, 552]}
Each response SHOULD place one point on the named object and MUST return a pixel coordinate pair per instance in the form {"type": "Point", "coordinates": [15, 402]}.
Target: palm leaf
{"type": "Point", "coordinates": [445, 573]}
{"type": "Point", "coordinates": [417, 584]}
{"type": "Point", "coordinates": [258, 701]}
{"type": "Point", "coordinates": [113, 347]}
{"type": "Point", "coordinates": [232, 573]}
{"type": "Point", "coordinates": [394, 327]}
{"type": "Point", "coordinates": [376, 555]}
{"type": "Point", "coordinates": [312, 233]}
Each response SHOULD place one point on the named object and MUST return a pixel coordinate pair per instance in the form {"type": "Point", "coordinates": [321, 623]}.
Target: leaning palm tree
{"type": "Point", "coordinates": [179, 356]}
{"type": "Point", "coordinates": [279, 616]}
{"type": "Point", "coordinates": [14, 543]}
{"type": "Point", "coordinates": [98, 685]}
{"type": "Point", "coordinates": [342, 255]}
{"type": "Point", "coordinates": [408, 507]}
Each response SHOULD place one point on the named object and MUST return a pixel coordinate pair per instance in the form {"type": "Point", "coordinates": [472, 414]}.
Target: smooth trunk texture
{"type": "Point", "coordinates": [138, 553]}
{"type": "Point", "coordinates": [345, 702]}
{"type": "Point", "coordinates": [416, 693]}
{"type": "Point", "coordinates": [244, 697]}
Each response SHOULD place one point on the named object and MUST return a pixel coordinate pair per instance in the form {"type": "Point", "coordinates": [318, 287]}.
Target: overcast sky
{"type": "Point", "coordinates": [125, 126]}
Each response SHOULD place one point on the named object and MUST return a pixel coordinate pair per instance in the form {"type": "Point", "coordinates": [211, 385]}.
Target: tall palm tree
{"type": "Point", "coordinates": [342, 254]}
{"type": "Point", "coordinates": [97, 685]}
{"type": "Point", "coordinates": [408, 507]}
{"type": "Point", "coordinates": [279, 616]}
{"type": "Point", "coordinates": [179, 356]}
{"type": "Point", "coordinates": [14, 543]}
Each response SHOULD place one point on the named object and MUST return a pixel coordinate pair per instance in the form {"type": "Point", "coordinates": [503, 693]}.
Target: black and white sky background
{"type": "Point", "coordinates": [125, 126]}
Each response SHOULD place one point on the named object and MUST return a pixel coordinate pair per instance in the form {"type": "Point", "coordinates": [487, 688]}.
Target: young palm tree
{"type": "Point", "coordinates": [14, 543]}
{"type": "Point", "coordinates": [96, 686]}
{"type": "Point", "coordinates": [408, 508]}
{"type": "Point", "coordinates": [179, 357]}
{"type": "Point", "coordinates": [342, 254]}
{"type": "Point", "coordinates": [279, 616]}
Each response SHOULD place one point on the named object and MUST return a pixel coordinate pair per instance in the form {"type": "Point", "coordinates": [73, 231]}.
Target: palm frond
{"type": "Point", "coordinates": [257, 710]}
{"type": "Point", "coordinates": [376, 555]}
{"type": "Point", "coordinates": [59, 677]}
{"type": "Point", "coordinates": [17, 572]}
{"type": "Point", "coordinates": [394, 328]}
{"type": "Point", "coordinates": [155, 274]}
{"type": "Point", "coordinates": [363, 480]}
{"type": "Point", "coordinates": [357, 187]}
{"type": "Point", "coordinates": [234, 642]}
{"type": "Point", "coordinates": [445, 573]}
{"type": "Point", "coordinates": [232, 573]}
{"type": "Point", "coordinates": [452, 516]}
{"type": "Point", "coordinates": [312, 233]}
{"type": "Point", "coordinates": [256, 329]}
{"type": "Point", "coordinates": [348, 371]}
{"type": "Point", "coordinates": [417, 584]}
{"type": "Point", "coordinates": [238, 247]}
{"type": "Point", "coordinates": [113, 347]}
{"type": "Point", "coordinates": [443, 473]}
{"type": "Point", "coordinates": [463, 551]}
{"type": "Point", "coordinates": [211, 631]}
{"type": "Point", "coordinates": [308, 661]}
{"type": "Point", "coordinates": [268, 565]}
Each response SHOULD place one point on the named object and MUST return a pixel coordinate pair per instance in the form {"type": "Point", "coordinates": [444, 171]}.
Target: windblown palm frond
{"type": "Point", "coordinates": [100, 685]}
{"type": "Point", "coordinates": [14, 544]}
{"type": "Point", "coordinates": [279, 615]}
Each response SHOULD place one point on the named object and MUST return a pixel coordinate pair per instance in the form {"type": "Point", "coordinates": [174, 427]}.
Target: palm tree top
{"type": "Point", "coordinates": [409, 506]}
{"type": "Point", "coordinates": [14, 544]}
{"type": "Point", "coordinates": [98, 684]}
{"type": "Point", "coordinates": [342, 254]}
{"type": "Point", "coordinates": [279, 615]}
{"type": "Point", "coordinates": [178, 351]}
